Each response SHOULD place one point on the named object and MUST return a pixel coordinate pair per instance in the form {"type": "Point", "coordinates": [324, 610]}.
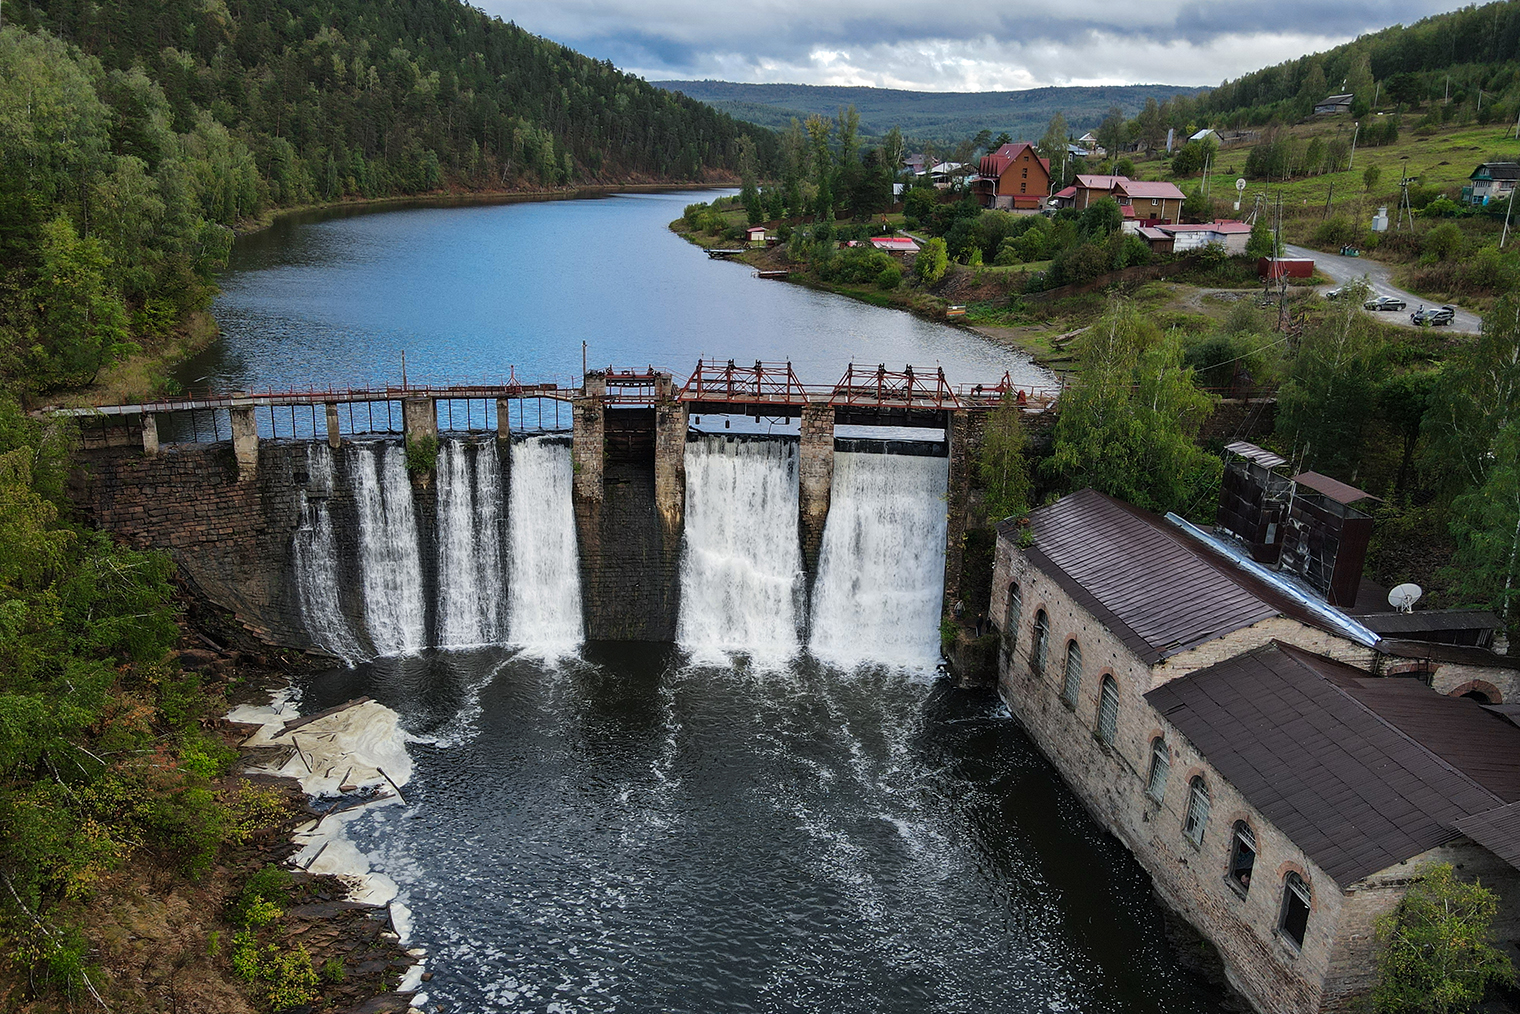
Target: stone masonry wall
{"type": "Point", "coordinates": [230, 537]}
{"type": "Point", "coordinates": [1111, 780]}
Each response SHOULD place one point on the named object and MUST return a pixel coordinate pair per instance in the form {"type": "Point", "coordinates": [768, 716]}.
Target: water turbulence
{"type": "Point", "coordinates": [881, 567]}
{"type": "Point", "coordinates": [742, 582]}
{"type": "Point", "coordinates": [388, 556]}
{"type": "Point", "coordinates": [470, 600]}
{"type": "Point", "coordinates": [544, 581]}
{"type": "Point", "coordinates": [316, 562]}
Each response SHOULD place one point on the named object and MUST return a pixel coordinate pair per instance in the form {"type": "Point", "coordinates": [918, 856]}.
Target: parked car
{"type": "Point", "coordinates": [1335, 293]}
{"type": "Point", "coordinates": [1384, 303]}
{"type": "Point", "coordinates": [1434, 316]}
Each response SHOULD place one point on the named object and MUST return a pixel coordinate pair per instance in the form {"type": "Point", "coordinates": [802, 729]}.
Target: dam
{"type": "Point", "coordinates": [367, 524]}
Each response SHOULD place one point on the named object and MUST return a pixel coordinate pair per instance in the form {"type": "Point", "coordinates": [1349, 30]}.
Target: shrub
{"type": "Point", "coordinates": [1444, 241]}
{"type": "Point", "coordinates": [932, 262]}
{"type": "Point", "coordinates": [890, 278]}
{"type": "Point", "coordinates": [1337, 232]}
{"type": "Point", "coordinates": [422, 454]}
{"type": "Point", "coordinates": [1438, 953]}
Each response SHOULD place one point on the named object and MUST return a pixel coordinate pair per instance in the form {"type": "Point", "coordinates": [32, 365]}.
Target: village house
{"type": "Point", "coordinates": [1089, 143]}
{"type": "Point", "coordinates": [1150, 202]}
{"type": "Point", "coordinates": [1230, 236]}
{"type": "Point", "coordinates": [1013, 177]}
{"type": "Point", "coordinates": [1090, 187]}
{"type": "Point", "coordinates": [1491, 181]}
{"type": "Point", "coordinates": [902, 246]}
{"type": "Point", "coordinates": [1333, 104]}
{"type": "Point", "coordinates": [1241, 735]}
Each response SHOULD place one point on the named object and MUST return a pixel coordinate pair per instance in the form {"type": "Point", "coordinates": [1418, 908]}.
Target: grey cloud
{"type": "Point", "coordinates": [1087, 40]}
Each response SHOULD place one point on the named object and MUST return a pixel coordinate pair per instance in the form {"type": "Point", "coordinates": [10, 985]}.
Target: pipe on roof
{"type": "Point", "coordinates": [1331, 616]}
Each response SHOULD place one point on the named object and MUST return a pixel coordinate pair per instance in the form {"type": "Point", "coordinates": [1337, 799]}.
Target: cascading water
{"type": "Point", "coordinates": [544, 581]}
{"type": "Point", "coordinates": [388, 557]}
{"type": "Point", "coordinates": [316, 562]}
{"type": "Point", "coordinates": [881, 568]}
{"type": "Point", "coordinates": [742, 585]}
{"type": "Point", "coordinates": [470, 599]}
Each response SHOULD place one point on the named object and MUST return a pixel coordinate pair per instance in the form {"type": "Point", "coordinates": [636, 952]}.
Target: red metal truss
{"type": "Point", "coordinates": [880, 387]}
{"type": "Point", "coordinates": [767, 383]}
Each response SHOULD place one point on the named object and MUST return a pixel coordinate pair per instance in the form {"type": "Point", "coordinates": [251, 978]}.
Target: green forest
{"type": "Point", "coordinates": [135, 136]}
{"type": "Point", "coordinates": [1453, 58]}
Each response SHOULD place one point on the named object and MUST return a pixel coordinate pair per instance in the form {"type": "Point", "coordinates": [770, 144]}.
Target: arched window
{"type": "Point", "coordinates": [1161, 766]}
{"type": "Point", "coordinates": [1294, 921]}
{"type": "Point", "coordinates": [1041, 645]}
{"type": "Point", "coordinates": [1108, 708]}
{"type": "Point", "coordinates": [1072, 684]}
{"type": "Point", "coordinates": [1011, 617]}
{"type": "Point", "coordinates": [1242, 856]}
{"type": "Point", "coordinates": [1197, 810]}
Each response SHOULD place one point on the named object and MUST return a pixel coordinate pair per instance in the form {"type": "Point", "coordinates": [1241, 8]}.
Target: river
{"type": "Point", "coordinates": [645, 827]}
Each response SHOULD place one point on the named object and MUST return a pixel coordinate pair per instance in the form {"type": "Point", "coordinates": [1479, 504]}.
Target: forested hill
{"type": "Point", "coordinates": [1447, 57]}
{"type": "Point", "coordinates": [134, 133]}
{"type": "Point", "coordinates": [940, 118]}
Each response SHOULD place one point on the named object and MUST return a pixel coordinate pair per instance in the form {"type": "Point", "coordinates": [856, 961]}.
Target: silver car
{"type": "Point", "coordinates": [1384, 303]}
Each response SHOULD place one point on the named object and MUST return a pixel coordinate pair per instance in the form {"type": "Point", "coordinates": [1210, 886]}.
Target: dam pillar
{"type": "Point", "coordinates": [334, 435]}
{"type": "Point", "coordinates": [245, 440]}
{"type": "Point", "coordinates": [670, 425]}
{"type": "Point", "coordinates": [963, 434]}
{"type": "Point", "coordinates": [588, 444]}
{"type": "Point", "coordinates": [815, 478]}
{"type": "Point", "coordinates": [150, 433]}
{"type": "Point", "coordinates": [503, 422]}
{"type": "Point", "coordinates": [419, 419]}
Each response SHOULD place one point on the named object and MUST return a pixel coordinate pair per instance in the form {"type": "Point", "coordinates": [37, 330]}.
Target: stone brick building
{"type": "Point", "coordinates": [1230, 732]}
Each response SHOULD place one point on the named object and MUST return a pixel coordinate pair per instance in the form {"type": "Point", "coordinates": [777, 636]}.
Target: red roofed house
{"type": "Point", "coordinates": [1153, 202]}
{"type": "Point", "coordinates": [896, 244]}
{"type": "Point", "coordinates": [1063, 198]}
{"type": "Point", "coordinates": [1094, 188]}
{"type": "Point", "coordinates": [1014, 176]}
{"type": "Point", "coordinates": [1231, 235]}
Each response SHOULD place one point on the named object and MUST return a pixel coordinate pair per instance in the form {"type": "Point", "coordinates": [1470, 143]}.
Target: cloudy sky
{"type": "Point", "coordinates": [955, 46]}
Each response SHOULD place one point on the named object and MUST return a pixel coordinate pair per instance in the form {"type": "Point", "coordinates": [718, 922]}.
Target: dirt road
{"type": "Point", "coordinates": [1348, 269]}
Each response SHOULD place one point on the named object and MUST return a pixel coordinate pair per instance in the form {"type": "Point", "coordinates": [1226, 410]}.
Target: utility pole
{"type": "Point", "coordinates": [1357, 129]}
{"type": "Point", "coordinates": [1505, 237]}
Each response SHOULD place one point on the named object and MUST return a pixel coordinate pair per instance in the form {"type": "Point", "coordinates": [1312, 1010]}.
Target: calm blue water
{"type": "Point", "coordinates": [469, 292]}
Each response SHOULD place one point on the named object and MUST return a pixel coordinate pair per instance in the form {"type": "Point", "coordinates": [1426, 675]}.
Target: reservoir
{"type": "Point", "coordinates": [785, 810]}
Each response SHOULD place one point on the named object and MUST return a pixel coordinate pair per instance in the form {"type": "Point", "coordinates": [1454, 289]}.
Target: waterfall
{"type": "Point", "coordinates": [544, 582]}
{"type": "Point", "coordinates": [469, 545]}
{"type": "Point", "coordinates": [742, 585]}
{"type": "Point", "coordinates": [388, 556]}
{"type": "Point", "coordinates": [316, 562]}
{"type": "Point", "coordinates": [881, 568]}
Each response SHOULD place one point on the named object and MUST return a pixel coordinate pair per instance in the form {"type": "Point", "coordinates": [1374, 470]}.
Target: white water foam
{"type": "Point", "coordinates": [470, 572]}
{"type": "Point", "coordinates": [544, 580]}
{"type": "Point", "coordinates": [316, 562]}
{"type": "Point", "coordinates": [388, 556]}
{"type": "Point", "coordinates": [881, 569]}
{"type": "Point", "coordinates": [742, 586]}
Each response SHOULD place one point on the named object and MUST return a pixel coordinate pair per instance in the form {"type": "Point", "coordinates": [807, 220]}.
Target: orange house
{"type": "Point", "coordinates": [1012, 177]}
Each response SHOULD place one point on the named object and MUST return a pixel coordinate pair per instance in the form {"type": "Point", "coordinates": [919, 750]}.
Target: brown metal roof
{"type": "Point", "coordinates": [1460, 654]}
{"type": "Point", "coordinates": [1497, 830]}
{"type": "Point", "coordinates": [1348, 787]}
{"type": "Point", "coordinates": [1260, 455]}
{"type": "Point", "coordinates": [1333, 488]}
{"type": "Point", "coordinates": [1155, 588]}
{"type": "Point", "coordinates": [1426, 620]}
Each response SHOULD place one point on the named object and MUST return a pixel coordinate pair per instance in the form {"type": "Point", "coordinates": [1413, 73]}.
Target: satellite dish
{"type": "Point", "coordinates": [1405, 596]}
{"type": "Point", "coordinates": [1240, 184]}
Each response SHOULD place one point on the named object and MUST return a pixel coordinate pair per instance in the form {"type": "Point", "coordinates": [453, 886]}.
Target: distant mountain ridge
{"type": "Point", "coordinates": [941, 118]}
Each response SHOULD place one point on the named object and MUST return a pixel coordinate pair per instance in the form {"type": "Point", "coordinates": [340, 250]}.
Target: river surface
{"type": "Point", "coordinates": [642, 828]}
{"type": "Point", "coordinates": [470, 292]}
